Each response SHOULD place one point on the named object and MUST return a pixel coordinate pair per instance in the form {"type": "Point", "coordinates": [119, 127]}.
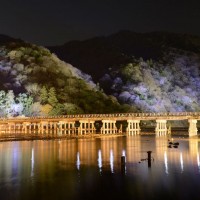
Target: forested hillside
{"type": "Point", "coordinates": [154, 72]}
{"type": "Point", "coordinates": [132, 72]}
{"type": "Point", "coordinates": [35, 82]}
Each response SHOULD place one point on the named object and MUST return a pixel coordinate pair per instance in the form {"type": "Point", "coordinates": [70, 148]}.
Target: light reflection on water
{"type": "Point", "coordinates": [42, 169]}
{"type": "Point", "coordinates": [166, 163]}
{"type": "Point", "coordinates": [78, 163]}
{"type": "Point", "coordinates": [32, 162]}
{"type": "Point", "coordinates": [111, 161]}
{"type": "Point", "coordinates": [99, 160]}
{"type": "Point", "coordinates": [181, 161]}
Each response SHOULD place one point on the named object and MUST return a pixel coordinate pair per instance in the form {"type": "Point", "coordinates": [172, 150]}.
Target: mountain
{"type": "Point", "coordinates": [33, 81]}
{"type": "Point", "coordinates": [4, 39]}
{"type": "Point", "coordinates": [153, 72]}
{"type": "Point", "coordinates": [104, 52]}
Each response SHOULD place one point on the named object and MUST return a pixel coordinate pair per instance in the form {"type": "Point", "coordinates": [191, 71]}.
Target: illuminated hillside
{"type": "Point", "coordinates": [35, 82]}
{"type": "Point", "coordinates": [154, 72]}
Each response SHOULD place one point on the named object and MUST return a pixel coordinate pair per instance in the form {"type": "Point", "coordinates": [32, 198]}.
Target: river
{"type": "Point", "coordinates": [90, 168]}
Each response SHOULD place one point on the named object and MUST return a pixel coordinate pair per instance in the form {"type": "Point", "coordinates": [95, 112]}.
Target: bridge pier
{"type": "Point", "coordinates": [51, 128]}
{"type": "Point", "coordinates": [3, 128]}
{"type": "Point", "coordinates": [43, 129]}
{"type": "Point", "coordinates": [71, 128]}
{"type": "Point", "coordinates": [37, 128]}
{"type": "Point", "coordinates": [55, 128]}
{"type": "Point", "coordinates": [66, 127]}
{"type": "Point", "coordinates": [161, 127]}
{"type": "Point", "coordinates": [108, 127]}
{"type": "Point", "coordinates": [33, 128]}
{"type": "Point", "coordinates": [19, 128]}
{"type": "Point", "coordinates": [133, 127]}
{"type": "Point", "coordinates": [192, 127]}
{"type": "Point", "coordinates": [25, 127]}
{"type": "Point", "coordinates": [30, 128]}
{"type": "Point", "coordinates": [59, 128]}
{"type": "Point", "coordinates": [86, 127]}
{"type": "Point", "coordinates": [10, 128]}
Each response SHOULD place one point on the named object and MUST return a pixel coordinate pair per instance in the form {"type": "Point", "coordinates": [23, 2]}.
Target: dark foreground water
{"type": "Point", "coordinates": [91, 169]}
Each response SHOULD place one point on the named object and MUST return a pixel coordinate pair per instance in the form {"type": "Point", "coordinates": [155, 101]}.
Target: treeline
{"type": "Point", "coordinates": [47, 85]}
{"type": "Point", "coordinates": [11, 105]}
{"type": "Point", "coordinates": [46, 103]}
{"type": "Point", "coordinates": [168, 85]}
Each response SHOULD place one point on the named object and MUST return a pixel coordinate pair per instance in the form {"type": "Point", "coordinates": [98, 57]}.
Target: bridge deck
{"type": "Point", "coordinates": [116, 116]}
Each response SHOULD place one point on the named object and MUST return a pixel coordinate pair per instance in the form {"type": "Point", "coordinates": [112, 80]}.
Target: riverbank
{"type": "Point", "coordinates": [21, 137]}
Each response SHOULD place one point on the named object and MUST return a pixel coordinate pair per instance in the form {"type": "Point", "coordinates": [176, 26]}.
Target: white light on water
{"type": "Point", "coordinates": [99, 160]}
{"type": "Point", "coordinates": [78, 163]}
{"type": "Point", "coordinates": [181, 161]}
{"type": "Point", "coordinates": [111, 161]}
{"type": "Point", "coordinates": [123, 153]}
{"type": "Point", "coordinates": [32, 161]}
{"type": "Point", "coordinates": [166, 163]}
{"type": "Point", "coordinates": [198, 161]}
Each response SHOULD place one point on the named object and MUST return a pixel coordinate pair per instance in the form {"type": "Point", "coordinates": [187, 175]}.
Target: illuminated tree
{"type": "Point", "coordinates": [72, 108]}
{"type": "Point", "coordinates": [35, 109]}
{"type": "Point", "coordinates": [45, 109]}
{"type": "Point", "coordinates": [43, 95]}
{"type": "Point", "coordinates": [2, 102]}
{"type": "Point", "coordinates": [33, 89]}
{"type": "Point", "coordinates": [58, 109]}
{"type": "Point", "coordinates": [52, 100]}
{"type": "Point", "coordinates": [26, 101]}
{"type": "Point", "coordinates": [9, 102]}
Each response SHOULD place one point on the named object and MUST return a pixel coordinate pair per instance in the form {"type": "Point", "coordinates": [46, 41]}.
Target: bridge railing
{"type": "Point", "coordinates": [162, 114]}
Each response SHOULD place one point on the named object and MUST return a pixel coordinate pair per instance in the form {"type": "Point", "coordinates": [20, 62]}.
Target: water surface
{"type": "Point", "coordinates": [91, 169]}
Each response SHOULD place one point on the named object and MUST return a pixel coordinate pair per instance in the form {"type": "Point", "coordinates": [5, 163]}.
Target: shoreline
{"type": "Point", "coordinates": [32, 137]}
{"type": "Point", "coordinates": [13, 137]}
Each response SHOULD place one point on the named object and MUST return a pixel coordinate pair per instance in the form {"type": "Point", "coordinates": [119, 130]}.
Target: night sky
{"type": "Point", "coordinates": [53, 22]}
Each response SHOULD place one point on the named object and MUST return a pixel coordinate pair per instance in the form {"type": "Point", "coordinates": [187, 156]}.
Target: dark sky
{"type": "Point", "coordinates": [50, 22]}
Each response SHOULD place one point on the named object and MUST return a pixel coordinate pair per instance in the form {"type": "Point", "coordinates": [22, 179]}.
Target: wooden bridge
{"type": "Point", "coordinates": [85, 123]}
